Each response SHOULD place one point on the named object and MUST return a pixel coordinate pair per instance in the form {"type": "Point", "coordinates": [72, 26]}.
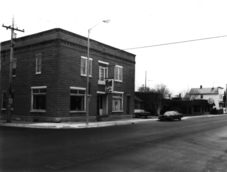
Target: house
{"type": "Point", "coordinates": [50, 77]}
{"type": "Point", "coordinates": [212, 95]}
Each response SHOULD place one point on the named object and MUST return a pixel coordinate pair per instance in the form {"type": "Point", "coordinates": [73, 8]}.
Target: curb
{"type": "Point", "coordinates": [91, 125]}
{"type": "Point", "coordinates": [72, 126]}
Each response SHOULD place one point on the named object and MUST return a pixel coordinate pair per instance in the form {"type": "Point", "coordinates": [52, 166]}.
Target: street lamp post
{"type": "Point", "coordinates": [88, 58]}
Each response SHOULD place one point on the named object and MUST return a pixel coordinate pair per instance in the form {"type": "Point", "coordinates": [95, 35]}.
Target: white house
{"type": "Point", "coordinates": [214, 94]}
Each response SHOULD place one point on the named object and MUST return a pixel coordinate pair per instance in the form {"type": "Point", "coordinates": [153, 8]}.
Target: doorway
{"type": "Point", "coordinates": [102, 108]}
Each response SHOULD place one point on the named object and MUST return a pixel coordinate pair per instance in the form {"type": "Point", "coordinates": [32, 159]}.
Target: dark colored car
{"type": "Point", "coordinates": [170, 115]}
{"type": "Point", "coordinates": [141, 113]}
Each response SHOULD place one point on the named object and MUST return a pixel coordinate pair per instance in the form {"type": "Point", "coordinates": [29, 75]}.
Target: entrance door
{"type": "Point", "coordinates": [102, 104]}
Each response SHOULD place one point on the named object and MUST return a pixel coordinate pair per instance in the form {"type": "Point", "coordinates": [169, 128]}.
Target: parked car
{"type": "Point", "coordinates": [141, 113]}
{"type": "Point", "coordinates": [170, 115]}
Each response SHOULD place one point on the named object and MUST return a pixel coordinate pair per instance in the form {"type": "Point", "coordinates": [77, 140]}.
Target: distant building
{"type": "Point", "coordinates": [49, 78]}
{"type": "Point", "coordinates": [146, 101]}
{"type": "Point", "coordinates": [214, 94]}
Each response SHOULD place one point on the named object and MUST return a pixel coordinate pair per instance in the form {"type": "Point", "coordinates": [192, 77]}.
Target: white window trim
{"type": "Point", "coordinates": [106, 63]}
{"type": "Point", "coordinates": [117, 80]}
{"type": "Point", "coordinates": [100, 82]}
{"type": "Point", "coordinates": [118, 92]}
{"type": "Point", "coordinates": [36, 63]}
{"type": "Point", "coordinates": [77, 88]}
{"type": "Point", "coordinates": [38, 87]}
{"type": "Point", "coordinates": [101, 92]}
{"type": "Point", "coordinates": [33, 88]}
{"type": "Point", "coordinates": [83, 57]}
{"type": "Point", "coordinates": [85, 106]}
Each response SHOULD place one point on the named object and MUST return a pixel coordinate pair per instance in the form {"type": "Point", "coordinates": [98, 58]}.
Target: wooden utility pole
{"type": "Point", "coordinates": [10, 101]}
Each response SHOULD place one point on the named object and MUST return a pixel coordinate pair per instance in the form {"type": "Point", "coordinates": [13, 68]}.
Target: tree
{"type": "Point", "coordinates": [164, 93]}
{"type": "Point", "coordinates": [144, 89]}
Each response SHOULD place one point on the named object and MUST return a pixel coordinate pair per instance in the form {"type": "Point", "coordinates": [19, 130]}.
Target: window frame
{"type": "Point", "coordinates": [85, 62]}
{"type": "Point", "coordinates": [38, 63]}
{"type": "Point", "coordinates": [103, 66]}
{"type": "Point", "coordinates": [40, 93]}
{"type": "Point", "coordinates": [78, 95]}
{"type": "Point", "coordinates": [118, 74]}
{"type": "Point", "coordinates": [118, 95]}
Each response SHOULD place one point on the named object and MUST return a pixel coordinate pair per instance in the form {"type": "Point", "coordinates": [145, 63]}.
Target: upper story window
{"type": "Point", "coordinates": [14, 66]}
{"type": "Point", "coordinates": [118, 73]}
{"type": "Point", "coordinates": [103, 72]}
{"type": "Point", "coordinates": [39, 98]}
{"type": "Point", "coordinates": [83, 69]}
{"type": "Point", "coordinates": [38, 67]}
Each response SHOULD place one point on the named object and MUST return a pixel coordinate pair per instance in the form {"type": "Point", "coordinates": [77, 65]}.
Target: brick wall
{"type": "Point", "coordinates": [61, 60]}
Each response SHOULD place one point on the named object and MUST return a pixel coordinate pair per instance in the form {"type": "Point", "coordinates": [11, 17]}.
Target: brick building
{"type": "Point", "coordinates": [49, 78]}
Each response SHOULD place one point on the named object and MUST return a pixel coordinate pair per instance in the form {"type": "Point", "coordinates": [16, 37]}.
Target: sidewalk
{"type": "Point", "coordinates": [71, 125]}
{"type": "Point", "coordinates": [79, 125]}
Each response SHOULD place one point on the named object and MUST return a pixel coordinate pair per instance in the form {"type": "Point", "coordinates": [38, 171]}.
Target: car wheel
{"type": "Point", "coordinates": [179, 118]}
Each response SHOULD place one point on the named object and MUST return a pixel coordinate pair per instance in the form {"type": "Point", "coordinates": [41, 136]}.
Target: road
{"type": "Point", "coordinates": [196, 144]}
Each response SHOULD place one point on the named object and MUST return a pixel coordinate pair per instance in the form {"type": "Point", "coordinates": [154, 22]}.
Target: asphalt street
{"type": "Point", "coordinates": [196, 144]}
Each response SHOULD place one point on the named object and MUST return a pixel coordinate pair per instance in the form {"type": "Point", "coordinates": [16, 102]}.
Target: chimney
{"type": "Point", "coordinates": [201, 86]}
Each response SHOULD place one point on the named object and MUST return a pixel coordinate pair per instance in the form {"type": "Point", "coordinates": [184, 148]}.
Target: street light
{"type": "Point", "coordinates": [88, 57]}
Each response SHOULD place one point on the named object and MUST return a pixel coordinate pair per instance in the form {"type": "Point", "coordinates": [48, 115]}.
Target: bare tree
{"type": "Point", "coordinates": [164, 93]}
{"type": "Point", "coordinates": [144, 89]}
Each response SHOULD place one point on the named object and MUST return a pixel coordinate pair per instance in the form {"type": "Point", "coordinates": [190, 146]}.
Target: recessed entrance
{"type": "Point", "coordinates": [102, 108]}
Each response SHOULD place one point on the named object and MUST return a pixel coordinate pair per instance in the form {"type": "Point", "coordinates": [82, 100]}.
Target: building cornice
{"type": "Point", "coordinates": [59, 41]}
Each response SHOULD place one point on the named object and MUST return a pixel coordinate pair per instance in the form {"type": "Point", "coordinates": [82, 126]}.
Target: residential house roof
{"type": "Point", "coordinates": [194, 92]}
{"type": "Point", "coordinates": [203, 91]}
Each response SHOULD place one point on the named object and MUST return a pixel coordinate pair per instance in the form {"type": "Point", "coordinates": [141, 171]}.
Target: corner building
{"type": "Point", "coordinates": [49, 78]}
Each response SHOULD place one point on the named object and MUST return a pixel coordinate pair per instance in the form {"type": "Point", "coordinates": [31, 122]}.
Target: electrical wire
{"type": "Point", "coordinates": [171, 43]}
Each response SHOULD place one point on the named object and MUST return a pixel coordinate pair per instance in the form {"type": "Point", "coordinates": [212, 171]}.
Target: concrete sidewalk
{"type": "Point", "coordinates": [71, 125]}
{"type": "Point", "coordinates": [78, 125]}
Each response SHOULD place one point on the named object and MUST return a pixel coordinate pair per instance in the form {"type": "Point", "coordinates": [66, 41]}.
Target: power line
{"type": "Point", "coordinates": [171, 43]}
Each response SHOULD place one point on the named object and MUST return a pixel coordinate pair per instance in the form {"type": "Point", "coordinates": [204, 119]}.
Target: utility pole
{"type": "Point", "coordinates": [10, 101]}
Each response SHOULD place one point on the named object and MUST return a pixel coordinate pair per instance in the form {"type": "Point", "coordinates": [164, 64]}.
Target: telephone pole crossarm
{"type": "Point", "coordinates": [12, 28]}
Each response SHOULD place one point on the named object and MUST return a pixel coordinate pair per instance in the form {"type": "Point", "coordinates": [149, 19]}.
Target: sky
{"type": "Point", "coordinates": [140, 23]}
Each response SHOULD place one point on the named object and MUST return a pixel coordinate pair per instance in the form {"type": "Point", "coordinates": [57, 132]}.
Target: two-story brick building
{"type": "Point", "coordinates": [49, 78]}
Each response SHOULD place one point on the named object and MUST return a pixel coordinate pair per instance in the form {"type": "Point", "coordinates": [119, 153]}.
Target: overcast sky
{"type": "Point", "coordinates": [138, 23]}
